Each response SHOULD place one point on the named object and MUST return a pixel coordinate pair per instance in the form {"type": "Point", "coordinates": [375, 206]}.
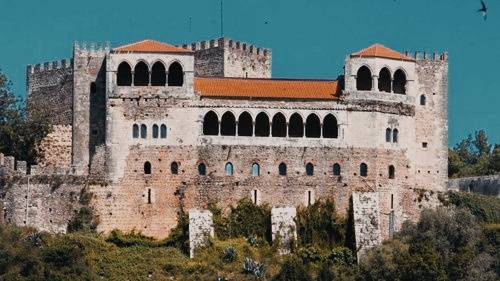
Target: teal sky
{"type": "Point", "coordinates": [309, 39]}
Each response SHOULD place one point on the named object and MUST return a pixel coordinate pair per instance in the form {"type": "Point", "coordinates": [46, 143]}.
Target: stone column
{"type": "Point", "coordinates": [375, 83]}
{"type": "Point", "coordinates": [201, 229]}
{"type": "Point", "coordinates": [283, 227]}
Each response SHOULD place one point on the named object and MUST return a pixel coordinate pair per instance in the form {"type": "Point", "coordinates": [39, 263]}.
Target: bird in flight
{"type": "Point", "coordinates": [483, 10]}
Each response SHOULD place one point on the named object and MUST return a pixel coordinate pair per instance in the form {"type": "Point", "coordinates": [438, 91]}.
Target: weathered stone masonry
{"type": "Point", "coordinates": [389, 147]}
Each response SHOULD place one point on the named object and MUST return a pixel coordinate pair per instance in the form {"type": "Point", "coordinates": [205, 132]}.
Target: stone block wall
{"type": "Point", "coordinates": [366, 221]}
{"type": "Point", "coordinates": [283, 227]}
{"type": "Point", "coordinates": [228, 58]}
{"type": "Point", "coordinates": [55, 150]}
{"type": "Point", "coordinates": [201, 229]}
{"type": "Point", "coordinates": [88, 107]}
{"type": "Point", "coordinates": [49, 90]}
{"type": "Point", "coordinates": [485, 185]}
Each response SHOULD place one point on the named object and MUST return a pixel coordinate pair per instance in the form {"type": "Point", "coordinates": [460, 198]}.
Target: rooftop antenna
{"type": "Point", "coordinates": [221, 21]}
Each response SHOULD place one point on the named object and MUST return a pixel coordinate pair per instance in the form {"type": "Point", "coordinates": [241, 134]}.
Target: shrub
{"type": "Point", "coordinates": [133, 238]}
{"type": "Point", "coordinates": [179, 236]}
{"type": "Point", "coordinates": [247, 220]}
{"type": "Point", "coordinates": [293, 270]}
{"type": "Point", "coordinates": [485, 208]}
{"type": "Point", "coordinates": [229, 254]}
{"type": "Point", "coordinates": [83, 221]}
{"type": "Point", "coordinates": [319, 225]}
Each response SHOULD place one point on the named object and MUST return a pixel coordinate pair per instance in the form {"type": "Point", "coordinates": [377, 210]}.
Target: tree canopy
{"type": "Point", "coordinates": [474, 156]}
{"type": "Point", "coordinates": [20, 134]}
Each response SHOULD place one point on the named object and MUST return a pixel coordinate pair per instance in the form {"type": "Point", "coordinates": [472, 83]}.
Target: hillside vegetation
{"type": "Point", "coordinates": [458, 241]}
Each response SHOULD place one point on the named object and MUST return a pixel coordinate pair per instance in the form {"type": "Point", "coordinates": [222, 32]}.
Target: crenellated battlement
{"type": "Point", "coordinates": [9, 164]}
{"type": "Point", "coordinates": [422, 55]}
{"type": "Point", "coordinates": [48, 66]}
{"type": "Point", "coordinates": [226, 42]}
{"type": "Point", "coordinates": [91, 48]}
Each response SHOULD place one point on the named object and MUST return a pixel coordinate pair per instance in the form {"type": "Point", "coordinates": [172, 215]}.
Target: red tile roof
{"type": "Point", "coordinates": [149, 46]}
{"type": "Point", "coordinates": [380, 51]}
{"type": "Point", "coordinates": [244, 88]}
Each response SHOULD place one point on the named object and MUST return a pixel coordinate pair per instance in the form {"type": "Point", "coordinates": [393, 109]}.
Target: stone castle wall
{"type": "Point", "coordinates": [55, 150]}
{"type": "Point", "coordinates": [485, 185]}
{"type": "Point", "coordinates": [49, 91]}
{"type": "Point", "coordinates": [228, 58]}
{"type": "Point", "coordinates": [89, 97]}
{"type": "Point", "coordinates": [150, 202]}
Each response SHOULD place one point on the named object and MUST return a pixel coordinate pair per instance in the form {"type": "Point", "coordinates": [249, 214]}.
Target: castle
{"type": "Point", "coordinates": [150, 128]}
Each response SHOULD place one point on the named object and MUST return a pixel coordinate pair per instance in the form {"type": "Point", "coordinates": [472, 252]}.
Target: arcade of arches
{"type": "Point", "coordinates": [263, 126]}
{"type": "Point", "coordinates": [143, 76]}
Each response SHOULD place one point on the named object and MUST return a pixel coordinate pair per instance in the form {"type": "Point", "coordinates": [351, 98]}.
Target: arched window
{"type": "Point", "coordinates": [330, 127]}
{"type": "Point", "coordinates": [144, 131]}
{"type": "Point", "coordinates": [147, 168]}
{"type": "Point", "coordinates": [388, 132]}
{"type": "Point", "coordinates": [163, 131]}
{"type": "Point", "coordinates": [279, 125]}
{"type": "Point", "coordinates": [363, 170]}
{"type": "Point", "coordinates": [364, 79]}
{"type": "Point", "coordinates": [229, 169]}
{"type": "Point", "coordinates": [135, 131]}
{"type": "Point", "coordinates": [282, 169]}
{"type": "Point", "coordinates": [245, 126]}
{"type": "Point", "coordinates": [255, 170]}
{"type": "Point", "coordinates": [336, 169]}
{"type": "Point", "coordinates": [395, 135]}
{"type": "Point", "coordinates": [141, 74]}
{"type": "Point", "coordinates": [211, 124]}
{"type": "Point", "coordinates": [158, 74]}
{"type": "Point", "coordinates": [399, 84]}
{"type": "Point", "coordinates": [296, 126]}
{"type": "Point", "coordinates": [309, 169]}
{"type": "Point", "coordinates": [202, 169]}
{"type": "Point", "coordinates": [422, 100]}
{"type": "Point", "coordinates": [262, 125]}
{"type": "Point", "coordinates": [384, 80]}
{"type": "Point", "coordinates": [313, 126]}
{"type": "Point", "coordinates": [175, 74]}
{"type": "Point", "coordinates": [228, 124]}
{"type": "Point", "coordinates": [124, 75]}
{"type": "Point", "coordinates": [174, 168]}
{"type": "Point", "coordinates": [155, 131]}
{"type": "Point", "coordinates": [391, 172]}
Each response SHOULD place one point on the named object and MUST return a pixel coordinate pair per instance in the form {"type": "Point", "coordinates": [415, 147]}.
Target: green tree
{"type": "Point", "coordinates": [19, 135]}
{"type": "Point", "coordinates": [495, 159]}
{"type": "Point", "coordinates": [473, 156]}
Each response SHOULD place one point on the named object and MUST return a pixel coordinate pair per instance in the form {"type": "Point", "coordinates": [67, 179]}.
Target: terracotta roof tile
{"type": "Point", "coordinates": [266, 88]}
{"type": "Point", "coordinates": [380, 51]}
{"type": "Point", "coordinates": [149, 46]}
